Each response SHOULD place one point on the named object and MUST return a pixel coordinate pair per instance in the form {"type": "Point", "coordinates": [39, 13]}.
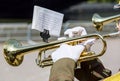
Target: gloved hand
{"type": "Point", "coordinates": [73, 32]}
{"type": "Point", "coordinates": [76, 31]}
{"type": "Point", "coordinates": [67, 51]}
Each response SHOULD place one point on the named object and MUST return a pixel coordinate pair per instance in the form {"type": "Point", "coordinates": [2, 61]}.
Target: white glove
{"type": "Point", "coordinates": [76, 31]}
{"type": "Point", "coordinates": [90, 42]}
{"type": "Point", "coordinates": [67, 51]}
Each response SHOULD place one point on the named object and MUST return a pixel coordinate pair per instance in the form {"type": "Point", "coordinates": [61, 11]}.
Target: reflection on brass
{"type": "Point", "coordinates": [99, 21]}
{"type": "Point", "coordinates": [14, 51]}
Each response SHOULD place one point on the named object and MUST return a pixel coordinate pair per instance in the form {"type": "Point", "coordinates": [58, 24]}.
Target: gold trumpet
{"type": "Point", "coordinates": [99, 21]}
{"type": "Point", "coordinates": [14, 51]}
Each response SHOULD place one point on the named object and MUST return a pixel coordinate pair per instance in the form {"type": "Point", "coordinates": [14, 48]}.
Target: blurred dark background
{"type": "Point", "coordinates": [23, 9]}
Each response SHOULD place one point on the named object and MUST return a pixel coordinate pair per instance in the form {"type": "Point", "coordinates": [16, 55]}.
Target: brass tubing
{"type": "Point", "coordinates": [88, 56]}
{"type": "Point", "coordinates": [14, 51]}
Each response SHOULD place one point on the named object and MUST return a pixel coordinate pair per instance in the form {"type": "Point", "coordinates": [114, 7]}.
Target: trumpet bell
{"type": "Point", "coordinates": [99, 21]}
{"type": "Point", "coordinates": [10, 52]}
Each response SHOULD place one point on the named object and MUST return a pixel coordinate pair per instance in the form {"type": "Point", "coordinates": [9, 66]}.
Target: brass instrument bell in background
{"type": "Point", "coordinates": [99, 22]}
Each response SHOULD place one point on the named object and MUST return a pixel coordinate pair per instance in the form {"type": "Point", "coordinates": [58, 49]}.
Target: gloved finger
{"type": "Point", "coordinates": [67, 32]}
{"type": "Point", "coordinates": [90, 42]}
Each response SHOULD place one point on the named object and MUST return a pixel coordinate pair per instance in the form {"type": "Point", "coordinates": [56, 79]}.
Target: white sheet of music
{"type": "Point", "coordinates": [47, 19]}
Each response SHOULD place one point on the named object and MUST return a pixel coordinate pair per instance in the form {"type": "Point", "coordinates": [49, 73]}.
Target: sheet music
{"type": "Point", "coordinates": [47, 19]}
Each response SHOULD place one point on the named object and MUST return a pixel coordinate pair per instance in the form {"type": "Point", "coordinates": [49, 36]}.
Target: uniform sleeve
{"type": "Point", "coordinates": [62, 70]}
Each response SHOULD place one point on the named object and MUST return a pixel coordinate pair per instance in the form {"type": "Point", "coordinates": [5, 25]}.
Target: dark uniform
{"type": "Point", "coordinates": [64, 70]}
